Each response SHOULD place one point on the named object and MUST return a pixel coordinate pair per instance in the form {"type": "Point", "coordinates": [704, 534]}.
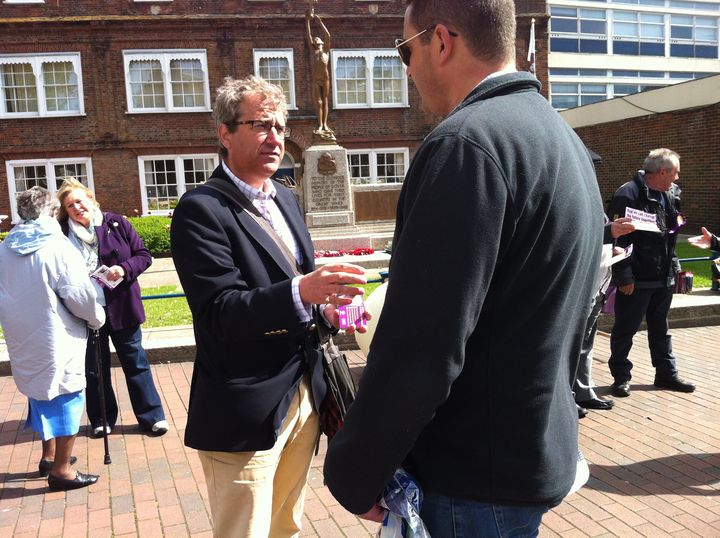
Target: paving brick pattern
{"type": "Point", "coordinates": [655, 464]}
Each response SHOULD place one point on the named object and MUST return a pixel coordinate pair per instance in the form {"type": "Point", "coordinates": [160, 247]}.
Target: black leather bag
{"type": "Point", "coordinates": [341, 388]}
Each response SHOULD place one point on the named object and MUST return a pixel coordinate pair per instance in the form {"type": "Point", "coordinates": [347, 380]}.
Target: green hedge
{"type": "Point", "coordinates": [155, 233]}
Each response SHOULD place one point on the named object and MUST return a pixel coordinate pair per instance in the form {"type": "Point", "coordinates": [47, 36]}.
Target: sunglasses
{"type": "Point", "coordinates": [404, 51]}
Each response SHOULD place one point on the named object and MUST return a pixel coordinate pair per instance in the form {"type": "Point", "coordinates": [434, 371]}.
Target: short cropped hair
{"type": "Point", "coordinates": [233, 92]}
{"type": "Point", "coordinates": [661, 159]}
{"type": "Point", "coordinates": [69, 185]}
{"type": "Point", "coordinates": [34, 202]}
{"type": "Point", "coordinates": [487, 26]}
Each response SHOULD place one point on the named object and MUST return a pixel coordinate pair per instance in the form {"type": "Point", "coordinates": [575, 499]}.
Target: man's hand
{"type": "Point", "coordinates": [328, 284]}
{"type": "Point", "coordinates": [627, 289]}
{"type": "Point", "coordinates": [701, 241]}
{"type": "Point", "coordinates": [621, 226]}
{"type": "Point", "coordinates": [376, 513]}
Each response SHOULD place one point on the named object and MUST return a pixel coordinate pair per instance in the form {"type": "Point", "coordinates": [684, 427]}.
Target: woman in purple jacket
{"type": "Point", "coordinates": [109, 240]}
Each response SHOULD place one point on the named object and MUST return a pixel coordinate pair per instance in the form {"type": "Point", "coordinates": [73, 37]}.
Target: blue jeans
{"type": "Point", "coordinates": [448, 517]}
{"type": "Point", "coordinates": [144, 396]}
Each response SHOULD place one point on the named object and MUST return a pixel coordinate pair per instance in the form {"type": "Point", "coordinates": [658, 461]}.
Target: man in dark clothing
{"type": "Point", "coordinates": [645, 280]}
{"type": "Point", "coordinates": [495, 255]}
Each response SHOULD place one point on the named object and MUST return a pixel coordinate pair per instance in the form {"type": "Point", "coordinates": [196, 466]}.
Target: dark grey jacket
{"type": "Point", "coordinates": [495, 256]}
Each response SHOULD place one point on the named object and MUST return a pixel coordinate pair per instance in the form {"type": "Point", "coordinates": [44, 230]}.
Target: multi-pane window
{"type": "Point", "coordinates": [693, 37]}
{"type": "Point", "coordinates": [377, 166]}
{"type": "Point", "coordinates": [164, 179]}
{"type": "Point", "coordinates": [48, 174]}
{"type": "Point", "coordinates": [276, 66]}
{"type": "Point", "coordinates": [166, 81]}
{"type": "Point", "coordinates": [638, 33]}
{"type": "Point", "coordinates": [578, 30]}
{"type": "Point", "coordinates": [571, 95]}
{"type": "Point", "coordinates": [368, 79]}
{"type": "Point", "coordinates": [40, 85]}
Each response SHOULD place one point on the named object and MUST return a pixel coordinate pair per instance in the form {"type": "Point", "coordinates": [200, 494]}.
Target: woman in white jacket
{"type": "Point", "coordinates": [47, 304]}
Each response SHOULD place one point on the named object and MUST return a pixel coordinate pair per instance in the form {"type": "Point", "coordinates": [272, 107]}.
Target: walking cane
{"type": "Point", "coordinates": [101, 392]}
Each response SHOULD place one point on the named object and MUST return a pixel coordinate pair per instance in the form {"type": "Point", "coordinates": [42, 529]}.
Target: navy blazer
{"type": "Point", "coordinates": [252, 350]}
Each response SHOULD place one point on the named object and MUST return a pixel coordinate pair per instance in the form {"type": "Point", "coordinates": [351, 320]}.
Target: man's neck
{"type": "Point", "coordinates": [254, 182]}
{"type": "Point", "coordinates": [466, 84]}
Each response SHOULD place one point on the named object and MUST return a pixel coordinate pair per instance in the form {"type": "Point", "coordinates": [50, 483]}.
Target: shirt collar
{"type": "Point", "coordinates": [268, 188]}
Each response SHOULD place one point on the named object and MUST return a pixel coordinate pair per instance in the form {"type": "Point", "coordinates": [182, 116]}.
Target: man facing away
{"type": "Point", "coordinates": [645, 280]}
{"type": "Point", "coordinates": [495, 255]}
{"type": "Point", "coordinates": [258, 375]}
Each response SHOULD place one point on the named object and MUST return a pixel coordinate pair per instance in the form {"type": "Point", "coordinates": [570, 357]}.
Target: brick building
{"type": "Point", "coordinates": [120, 94]}
{"type": "Point", "coordinates": [683, 117]}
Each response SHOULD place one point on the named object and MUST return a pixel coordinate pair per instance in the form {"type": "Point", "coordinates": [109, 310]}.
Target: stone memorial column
{"type": "Point", "coordinates": [326, 187]}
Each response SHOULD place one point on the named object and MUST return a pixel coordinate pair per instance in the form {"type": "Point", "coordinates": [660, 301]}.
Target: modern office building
{"type": "Point", "coordinates": [602, 49]}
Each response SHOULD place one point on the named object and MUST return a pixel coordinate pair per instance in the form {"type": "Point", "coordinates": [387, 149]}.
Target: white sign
{"type": "Point", "coordinates": [646, 222]}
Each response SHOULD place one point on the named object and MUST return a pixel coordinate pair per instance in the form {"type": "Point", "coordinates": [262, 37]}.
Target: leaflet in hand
{"type": "Point", "coordinates": [624, 254]}
{"type": "Point", "coordinates": [352, 314]}
{"type": "Point", "coordinates": [101, 275]}
{"type": "Point", "coordinates": [646, 222]}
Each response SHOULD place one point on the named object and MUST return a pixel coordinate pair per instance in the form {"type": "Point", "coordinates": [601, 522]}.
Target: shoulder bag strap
{"type": "Point", "coordinates": [234, 194]}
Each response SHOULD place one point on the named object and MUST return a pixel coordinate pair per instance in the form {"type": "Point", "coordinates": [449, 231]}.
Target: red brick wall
{"type": "Point", "coordinates": [228, 30]}
{"type": "Point", "coordinates": [694, 134]}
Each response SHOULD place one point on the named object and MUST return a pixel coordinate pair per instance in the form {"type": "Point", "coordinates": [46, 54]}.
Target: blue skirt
{"type": "Point", "coordinates": [59, 417]}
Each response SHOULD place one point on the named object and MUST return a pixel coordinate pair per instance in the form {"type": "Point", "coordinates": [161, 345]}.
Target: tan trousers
{"type": "Point", "coordinates": [262, 493]}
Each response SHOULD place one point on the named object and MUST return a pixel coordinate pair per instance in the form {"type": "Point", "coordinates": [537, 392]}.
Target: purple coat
{"type": "Point", "coordinates": [119, 244]}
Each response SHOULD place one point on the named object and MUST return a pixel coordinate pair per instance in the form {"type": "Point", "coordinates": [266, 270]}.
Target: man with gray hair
{"type": "Point", "coordinates": [645, 281]}
{"type": "Point", "coordinates": [495, 255]}
{"type": "Point", "coordinates": [246, 262]}
{"type": "Point", "coordinates": [47, 304]}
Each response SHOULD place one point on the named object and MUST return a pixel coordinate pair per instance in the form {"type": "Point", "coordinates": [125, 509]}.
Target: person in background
{"type": "Point", "coordinates": [708, 240]}
{"type": "Point", "coordinates": [646, 279]}
{"type": "Point", "coordinates": [108, 239]}
{"type": "Point", "coordinates": [47, 304]}
{"type": "Point", "coordinates": [495, 257]}
{"type": "Point", "coordinates": [585, 396]}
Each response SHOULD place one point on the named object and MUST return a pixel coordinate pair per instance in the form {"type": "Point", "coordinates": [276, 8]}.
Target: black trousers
{"type": "Point", "coordinates": [653, 304]}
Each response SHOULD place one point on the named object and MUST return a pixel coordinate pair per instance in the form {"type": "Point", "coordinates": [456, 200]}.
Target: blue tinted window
{"type": "Point", "coordinates": [558, 44]}
{"type": "Point", "coordinates": [592, 45]}
{"type": "Point", "coordinates": [620, 73]}
{"type": "Point", "coordinates": [592, 27]}
{"type": "Point", "coordinates": [705, 51]}
{"type": "Point", "coordinates": [563, 25]}
{"type": "Point", "coordinates": [681, 51]}
{"type": "Point", "coordinates": [562, 72]}
{"type": "Point", "coordinates": [587, 99]}
{"type": "Point", "coordinates": [624, 89]}
{"type": "Point", "coordinates": [681, 32]}
{"type": "Point", "coordinates": [625, 47]}
{"type": "Point", "coordinates": [652, 74]}
{"type": "Point", "coordinates": [652, 49]}
{"type": "Point", "coordinates": [564, 101]}
{"type": "Point", "coordinates": [678, 74]}
{"type": "Point", "coordinates": [593, 73]}
{"type": "Point", "coordinates": [563, 11]}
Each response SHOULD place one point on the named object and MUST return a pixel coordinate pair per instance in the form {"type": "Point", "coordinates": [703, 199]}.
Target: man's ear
{"type": "Point", "coordinates": [223, 134]}
{"type": "Point", "coordinates": [447, 44]}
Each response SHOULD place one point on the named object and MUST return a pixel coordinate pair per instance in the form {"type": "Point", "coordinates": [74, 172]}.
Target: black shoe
{"type": "Point", "coordinates": [597, 403]}
{"type": "Point", "coordinates": [674, 383]}
{"type": "Point", "coordinates": [81, 480]}
{"type": "Point", "coordinates": [582, 412]}
{"type": "Point", "coordinates": [621, 389]}
{"type": "Point", "coordinates": [45, 465]}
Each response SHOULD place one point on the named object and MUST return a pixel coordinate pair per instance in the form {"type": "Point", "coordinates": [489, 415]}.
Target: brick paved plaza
{"type": "Point", "coordinates": [655, 464]}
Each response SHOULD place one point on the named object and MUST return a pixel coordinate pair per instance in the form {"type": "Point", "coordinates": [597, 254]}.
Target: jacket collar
{"type": "Point", "coordinates": [285, 201]}
{"type": "Point", "coordinates": [500, 85]}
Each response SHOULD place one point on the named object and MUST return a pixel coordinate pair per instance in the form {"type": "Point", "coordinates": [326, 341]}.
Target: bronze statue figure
{"type": "Point", "coordinates": [320, 72]}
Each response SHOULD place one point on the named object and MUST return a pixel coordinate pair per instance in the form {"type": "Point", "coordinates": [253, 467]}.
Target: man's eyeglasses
{"type": "Point", "coordinates": [404, 51]}
{"type": "Point", "coordinates": [263, 126]}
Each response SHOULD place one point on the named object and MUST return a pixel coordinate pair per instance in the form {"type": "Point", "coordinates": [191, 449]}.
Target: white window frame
{"type": "Point", "coordinates": [369, 56]}
{"type": "Point", "coordinates": [49, 174]}
{"type": "Point", "coordinates": [23, 1]}
{"type": "Point", "coordinates": [36, 62]}
{"type": "Point", "coordinates": [287, 54]}
{"type": "Point", "coordinates": [179, 171]}
{"type": "Point", "coordinates": [165, 56]}
{"type": "Point", "coordinates": [373, 153]}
